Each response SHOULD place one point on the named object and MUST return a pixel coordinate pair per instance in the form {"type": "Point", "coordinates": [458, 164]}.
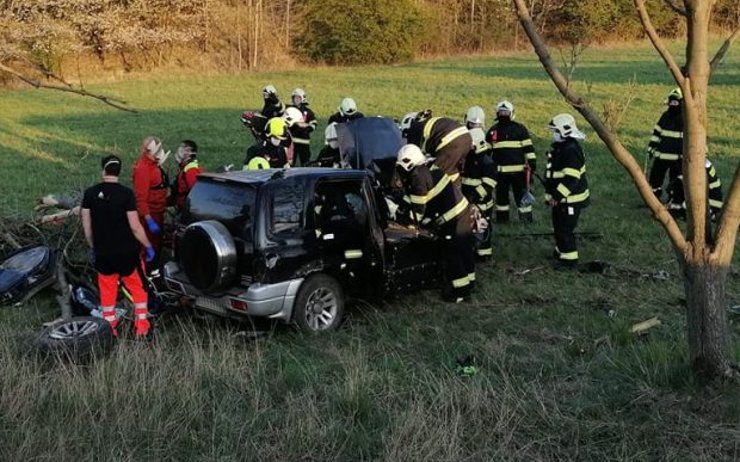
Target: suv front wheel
{"type": "Point", "coordinates": [320, 304]}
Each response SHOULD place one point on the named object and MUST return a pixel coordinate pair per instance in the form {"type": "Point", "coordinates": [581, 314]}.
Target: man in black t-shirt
{"type": "Point", "coordinates": [113, 231]}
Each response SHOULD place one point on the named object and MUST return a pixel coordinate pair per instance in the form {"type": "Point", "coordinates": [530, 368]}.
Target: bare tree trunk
{"type": "Point", "coordinates": [707, 329]}
{"type": "Point", "coordinates": [287, 25]}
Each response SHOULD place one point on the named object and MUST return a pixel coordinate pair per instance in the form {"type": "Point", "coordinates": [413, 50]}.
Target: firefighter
{"type": "Point", "coordinates": [347, 111]}
{"type": "Point", "coordinates": [329, 155]}
{"type": "Point", "coordinates": [566, 186]}
{"type": "Point", "coordinates": [112, 228]}
{"type": "Point", "coordinates": [150, 188]}
{"type": "Point", "coordinates": [666, 149]}
{"type": "Point", "coordinates": [188, 171]}
{"type": "Point", "coordinates": [277, 149]}
{"type": "Point", "coordinates": [478, 186]}
{"type": "Point", "coordinates": [442, 138]}
{"type": "Point", "coordinates": [436, 203]}
{"type": "Point", "coordinates": [301, 131]}
{"type": "Point", "coordinates": [513, 153]}
{"type": "Point", "coordinates": [714, 194]}
{"type": "Point", "coordinates": [272, 107]}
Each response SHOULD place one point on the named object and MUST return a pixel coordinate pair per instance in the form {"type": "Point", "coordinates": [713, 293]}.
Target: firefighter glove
{"type": "Point", "coordinates": [150, 254]}
{"type": "Point", "coordinates": [152, 225]}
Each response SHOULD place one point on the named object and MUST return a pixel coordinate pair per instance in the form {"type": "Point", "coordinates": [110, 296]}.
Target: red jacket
{"type": "Point", "coordinates": [150, 187]}
{"type": "Point", "coordinates": [185, 181]}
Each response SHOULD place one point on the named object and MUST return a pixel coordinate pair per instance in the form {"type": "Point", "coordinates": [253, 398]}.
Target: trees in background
{"type": "Point", "coordinates": [50, 35]}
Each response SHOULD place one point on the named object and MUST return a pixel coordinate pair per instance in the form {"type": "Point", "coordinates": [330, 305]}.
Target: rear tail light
{"type": "Point", "coordinates": [238, 305]}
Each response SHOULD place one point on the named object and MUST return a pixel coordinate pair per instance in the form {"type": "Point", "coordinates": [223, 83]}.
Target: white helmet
{"type": "Point", "coordinates": [505, 109]}
{"type": "Point", "coordinates": [565, 125]}
{"type": "Point", "coordinates": [410, 156]}
{"type": "Point", "coordinates": [347, 107]}
{"type": "Point", "coordinates": [407, 120]}
{"type": "Point", "coordinates": [269, 90]}
{"type": "Point", "coordinates": [292, 116]}
{"type": "Point", "coordinates": [475, 115]}
{"type": "Point", "coordinates": [330, 133]}
{"type": "Point", "coordinates": [300, 94]}
{"type": "Point", "coordinates": [479, 139]}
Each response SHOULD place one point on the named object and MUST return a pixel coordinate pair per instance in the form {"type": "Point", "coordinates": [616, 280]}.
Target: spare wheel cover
{"type": "Point", "coordinates": [208, 255]}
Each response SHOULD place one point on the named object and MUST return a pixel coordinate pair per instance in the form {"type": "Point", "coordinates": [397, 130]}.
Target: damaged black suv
{"type": "Point", "coordinates": [293, 245]}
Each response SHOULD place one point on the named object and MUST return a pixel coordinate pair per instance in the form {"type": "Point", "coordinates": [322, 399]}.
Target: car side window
{"type": "Point", "coordinates": [287, 208]}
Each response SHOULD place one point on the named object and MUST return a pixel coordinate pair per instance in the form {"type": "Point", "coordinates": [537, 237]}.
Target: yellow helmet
{"type": "Point", "coordinates": [675, 95]}
{"type": "Point", "coordinates": [257, 163]}
{"type": "Point", "coordinates": [276, 127]}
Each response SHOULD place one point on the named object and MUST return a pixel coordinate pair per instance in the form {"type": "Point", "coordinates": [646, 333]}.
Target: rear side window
{"type": "Point", "coordinates": [232, 204]}
{"type": "Point", "coordinates": [287, 208]}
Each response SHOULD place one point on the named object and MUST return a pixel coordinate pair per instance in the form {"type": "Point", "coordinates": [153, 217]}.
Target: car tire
{"type": "Point", "coordinates": [319, 306]}
{"type": "Point", "coordinates": [79, 340]}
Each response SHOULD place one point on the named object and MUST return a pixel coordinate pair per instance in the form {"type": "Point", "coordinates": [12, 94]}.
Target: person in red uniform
{"type": "Point", "coordinates": [150, 189]}
{"type": "Point", "coordinates": [113, 231]}
{"type": "Point", "coordinates": [188, 172]}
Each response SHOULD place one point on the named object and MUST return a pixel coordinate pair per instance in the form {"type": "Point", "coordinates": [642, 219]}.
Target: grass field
{"type": "Point", "coordinates": [561, 376]}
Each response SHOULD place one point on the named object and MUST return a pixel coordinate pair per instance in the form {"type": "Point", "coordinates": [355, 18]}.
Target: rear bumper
{"type": "Point", "coordinates": [274, 301]}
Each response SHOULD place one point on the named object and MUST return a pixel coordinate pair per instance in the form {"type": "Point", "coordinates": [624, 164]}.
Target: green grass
{"type": "Point", "coordinates": [559, 378]}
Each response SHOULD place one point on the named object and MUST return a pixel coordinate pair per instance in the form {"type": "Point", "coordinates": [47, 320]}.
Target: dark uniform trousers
{"type": "Point", "coordinates": [517, 183]}
{"type": "Point", "coordinates": [564, 222]}
{"type": "Point", "coordinates": [459, 261]}
{"type": "Point", "coordinates": [658, 169]}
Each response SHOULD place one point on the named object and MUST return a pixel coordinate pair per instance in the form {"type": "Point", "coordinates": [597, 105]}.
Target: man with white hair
{"type": "Point", "coordinates": [188, 171]}
{"type": "Point", "coordinates": [150, 188]}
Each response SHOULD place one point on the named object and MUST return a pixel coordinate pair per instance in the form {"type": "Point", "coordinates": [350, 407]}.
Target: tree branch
{"type": "Point", "coordinates": [647, 24]}
{"type": "Point", "coordinates": [619, 152]}
{"type": "Point", "coordinates": [677, 9]}
{"type": "Point", "coordinates": [66, 87]}
{"type": "Point", "coordinates": [722, 52]}
{"type": "Point", "coordinates": [729, 222]}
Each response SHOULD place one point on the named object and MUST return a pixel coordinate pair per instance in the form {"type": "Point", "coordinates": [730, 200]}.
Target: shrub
{"type": "Point", "coordinates": [358, 32]}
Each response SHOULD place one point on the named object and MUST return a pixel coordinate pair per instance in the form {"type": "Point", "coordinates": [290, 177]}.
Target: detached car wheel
{"type": "Point", "coordinates": [320, 304]}
{"type": "Point", "coordinates": [78, 340]}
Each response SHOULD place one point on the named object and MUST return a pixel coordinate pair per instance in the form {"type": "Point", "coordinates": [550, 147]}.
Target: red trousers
{"type": "Point", "coordinates": [108, 285]}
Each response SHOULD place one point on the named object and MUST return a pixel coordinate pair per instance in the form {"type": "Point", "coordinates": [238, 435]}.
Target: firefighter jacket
{"type": "Point", "coordinates": [511, 147]}
{"type": "Point", "coordinates": [301, 131]}
{"type": "Point", "coordinates": [185, 181]}
{"type": "Point", "coordinates": [150, 187]}
{"type": "Point", "coordinates": [432, 196]}
{"type": "Point", "coordinates": [277, 156]}
{"type": "Point", "coordinates": [338, 118]}
{"type": "Point", "coordinates": [433, 135]}
{"type": "Point", "coordinates": [667, 140]}
{"type": "Point", "coordinates": [328, 157]}
{"type": "Point", "coordinates": [479, 177]}
{"type": "Point", "coordinates": [272, 108]}
{"type": "Point", "coordinates": [565, 177]}
{"type": "Point", "coordinates": [715, 188]}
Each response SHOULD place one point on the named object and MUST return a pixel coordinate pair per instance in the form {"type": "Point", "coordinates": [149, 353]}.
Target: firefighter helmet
{"type": "Point", "coordinates": [410, 156]}
{"type": "Point", "coordinates": [475, 115]}
{"type": "Point", "coordinates": [276, 128]}
{"type": "Point", "coordinates": [268, 91]}
{"type": "Point", "coordinates": [407, 120]}
{"type": "Point", "coordinates": [257, 163]}
{"type": "Point", "coordinates": [292, 116]}
{"type": "Point", "coordinates": [347, 107]}
{"type": "Point", "coordinates": [675, 97]}
{"type": "Point", "coordinates": [300, 95]}
{"type": "Point", "coordinates": [505, 109]}
{"type": "Point", "coordinates": [479, 139]}
{"type": "Point", "coordinates": [565, 125]}
{"type": "Point", "coordinates": [330, 133]}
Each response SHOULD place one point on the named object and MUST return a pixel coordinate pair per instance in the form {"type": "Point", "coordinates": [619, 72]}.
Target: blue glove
{"type": "Point", "coordinates": [91, 256]}
{"type": "Point", "coordinates": [150, 254]}
{"type": "Point", "coordinates": [152, 225]}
